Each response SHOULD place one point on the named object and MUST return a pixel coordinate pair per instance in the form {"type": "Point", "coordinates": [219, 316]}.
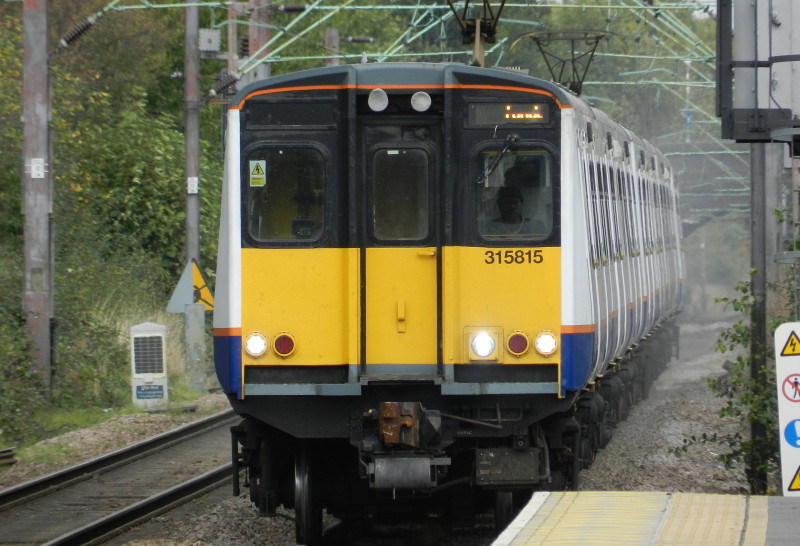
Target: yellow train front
{"type": "Point", "coordinates": [408, 303]}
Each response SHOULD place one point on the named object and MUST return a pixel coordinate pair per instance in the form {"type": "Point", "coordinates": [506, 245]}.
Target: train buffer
{"type": "Point", "coordinates": [650, 518]}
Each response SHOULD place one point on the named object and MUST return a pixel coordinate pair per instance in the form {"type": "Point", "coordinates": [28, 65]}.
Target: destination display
{"type": "Point", "coordinates": [508, 112]}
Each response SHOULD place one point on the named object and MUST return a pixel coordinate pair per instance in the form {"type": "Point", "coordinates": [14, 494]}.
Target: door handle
{"type": "Point", "coordinates": [401, 316]}
{"type": "Point", "coordinates": [430, 252]}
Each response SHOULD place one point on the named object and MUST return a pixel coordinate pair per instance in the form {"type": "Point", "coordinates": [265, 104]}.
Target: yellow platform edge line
{"type": "Point", "coordinates": [570, 517]}
{"type": "Point", "coordinates": [668, 519]}
{"type": "Point", "coordinates": [757, 521]}
{"type": "Point", "coordinates": [703, 518]}
{"type": "Point", "coordinates": [526, 514]}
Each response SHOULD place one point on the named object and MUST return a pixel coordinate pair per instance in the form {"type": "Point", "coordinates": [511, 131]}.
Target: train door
{"type": "Point", "coordinates": [399, 248]}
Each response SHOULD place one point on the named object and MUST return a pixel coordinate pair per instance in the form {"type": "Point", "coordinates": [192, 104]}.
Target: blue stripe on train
{"type": "Point", "coordinates": [228, 363]}
{"type": "Point", "coordinates": [576, 360]}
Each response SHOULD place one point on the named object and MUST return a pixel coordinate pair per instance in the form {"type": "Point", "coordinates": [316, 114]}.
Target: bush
{"type": "Point", "coordinates": [20, 387]}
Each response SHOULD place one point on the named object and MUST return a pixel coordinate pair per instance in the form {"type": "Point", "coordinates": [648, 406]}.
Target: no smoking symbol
{"type": "Point", "coordinates": [791, 388]}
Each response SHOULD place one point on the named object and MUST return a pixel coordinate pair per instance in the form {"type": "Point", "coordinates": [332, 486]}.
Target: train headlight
{"type": "Point", "coordinates": [546, 343]}
{"type": "Point", "coordinates": [482, 344]}
{"type": "Point", "coordinates": [256, 344]}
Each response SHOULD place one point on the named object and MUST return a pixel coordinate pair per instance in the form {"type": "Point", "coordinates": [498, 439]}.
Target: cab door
{"type": "Point", "coordinates": [400, 249]}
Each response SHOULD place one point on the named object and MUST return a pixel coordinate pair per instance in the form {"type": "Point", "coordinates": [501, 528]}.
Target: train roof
{"type": "Point", "coordinates": [420, 75]}
{"type": "Point", "coordinates": [408, 75]}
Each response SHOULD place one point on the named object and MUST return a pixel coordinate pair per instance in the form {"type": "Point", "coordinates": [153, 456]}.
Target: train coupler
{"type": "Point", "coordinates": [400, 446]}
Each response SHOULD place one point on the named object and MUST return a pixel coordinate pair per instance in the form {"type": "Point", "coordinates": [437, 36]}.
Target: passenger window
{"type": "Point", "coordinates": [400, 194]}
{"type": "Point", "coordinates": [516, 199]}
{"type": "Point", "coordinates": [285, 194]}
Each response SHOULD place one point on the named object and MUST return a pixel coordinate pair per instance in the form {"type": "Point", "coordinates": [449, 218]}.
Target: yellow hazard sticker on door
{"type": "Point", "coordinates": [258, 173]}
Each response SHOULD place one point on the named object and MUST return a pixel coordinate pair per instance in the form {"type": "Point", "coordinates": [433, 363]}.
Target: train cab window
{"type": "Point", "coordinates": [400, 194]}
{"type": "Point", "coordinates": [285, 194]}
{"type": "Point", "coordinates": [516, 199]}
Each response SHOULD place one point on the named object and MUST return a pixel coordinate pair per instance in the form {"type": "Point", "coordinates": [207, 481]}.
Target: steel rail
{"type": "Point", "coordinates": [29, 490]}
{"type": "Point", "coordinates": [120, 521]}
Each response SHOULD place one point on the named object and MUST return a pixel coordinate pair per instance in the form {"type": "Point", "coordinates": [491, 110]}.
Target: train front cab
{"type": "Point", "coordinates": [390, 282]}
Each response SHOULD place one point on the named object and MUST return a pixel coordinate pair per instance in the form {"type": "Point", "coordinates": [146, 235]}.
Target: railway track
{"type": "Point", "coordinates": [108, 493]}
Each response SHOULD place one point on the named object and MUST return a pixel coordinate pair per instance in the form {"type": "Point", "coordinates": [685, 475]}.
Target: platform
{"type": "Point", "coordinates": [645, 518]}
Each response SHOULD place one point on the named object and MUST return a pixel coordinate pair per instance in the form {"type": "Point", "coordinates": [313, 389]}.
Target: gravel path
{"type": "Point", "coordinates": [680, 405]}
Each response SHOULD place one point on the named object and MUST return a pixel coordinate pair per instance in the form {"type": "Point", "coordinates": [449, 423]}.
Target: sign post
{"type": "Point", "coordinates": [787, 369]}
{"type": "Point", "coordinates": [193, 298]}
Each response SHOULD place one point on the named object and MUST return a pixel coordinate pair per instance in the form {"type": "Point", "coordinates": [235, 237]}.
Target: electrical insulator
{"type": "Point", "coordinates": [224, 84]}
{"type": "Point", "coordinates": [73, 35]}
{"type": "Point", "coordinates": [289, 8]}
{"type": "Point", "coordinates": [244, 46]}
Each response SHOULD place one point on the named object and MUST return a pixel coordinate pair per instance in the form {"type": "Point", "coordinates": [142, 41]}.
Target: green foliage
{"type": "Point", "coordinates": [19, 386]}
{"type": "Point", "coordinates": [11, 133]}
{"type": "Point", "coordinates": [748, 395]}
{"type": "Point", "coordinates": [122, 51]}
{"type": "Point", "coordinates": [132, 185]}
{"type": "Point", "coordinates": [119, 188]}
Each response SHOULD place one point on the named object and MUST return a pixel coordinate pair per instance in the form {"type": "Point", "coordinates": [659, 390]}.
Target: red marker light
{"type": "Point", "coordinates": [284, 345]}
{"type": "Point", "coordinates": [518, 344]}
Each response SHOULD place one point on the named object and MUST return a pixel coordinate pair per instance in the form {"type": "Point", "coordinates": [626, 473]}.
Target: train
{"type": "Point", "coordinates": [438, 288]}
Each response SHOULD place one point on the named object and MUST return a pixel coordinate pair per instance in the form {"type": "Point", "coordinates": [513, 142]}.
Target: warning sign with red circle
{"type": "Point", "coordinates": [791, 388]}
{"type": "Point", "coordinates": [787, 371]}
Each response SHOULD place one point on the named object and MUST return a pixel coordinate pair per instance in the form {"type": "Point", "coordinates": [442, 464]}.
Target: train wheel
{"type": "Point", "coordinates": [574, 469]}
{"type": "Point", "coordinates": [503, 509]}
{"type": "Point", "coordinates": [307, 513]}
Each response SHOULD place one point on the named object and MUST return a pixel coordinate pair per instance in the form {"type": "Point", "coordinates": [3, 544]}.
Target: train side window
{"type": "Point", "coordinates": [590, 190]}
{"type": "Point", "coordinates": [285, 194]}
{"type": "Point", "coordinates": [517, 198]}
{"type": "Point", "coordinates": [400, 194]}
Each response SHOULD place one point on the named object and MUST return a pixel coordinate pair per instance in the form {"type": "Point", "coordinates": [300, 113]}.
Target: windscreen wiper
{"type": "Point", "coordinates": [484, 177]}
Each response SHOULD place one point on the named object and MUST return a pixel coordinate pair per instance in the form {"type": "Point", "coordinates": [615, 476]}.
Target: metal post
{"type": "Point", "coordinates": [233, 40]}
{"type": "Point", "coordinates": [796, 230]}
{"type": "Point", "coordinates": [478, 46]}
{"type": "Point", "coordinates": [194, 322]}
{"type": "Point", "coordinates": [259, 35]}
{"type": "Point", "coordinates": [192, 135]}
{"type": "Point", "coordinates": [194, 316]}
{"type": "Point", "coordinates": [758, 263]}
{"type": "Point", "coordinates": [332, 46]}
{"type": "Point", "coordinates": [37, 189]}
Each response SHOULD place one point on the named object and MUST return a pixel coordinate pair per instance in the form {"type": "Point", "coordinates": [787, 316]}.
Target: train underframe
{"type": "Point", "coordinates": [400, 452]}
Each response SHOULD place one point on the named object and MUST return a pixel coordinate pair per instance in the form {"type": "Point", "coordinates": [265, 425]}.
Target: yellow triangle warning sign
{"type": "Point", "coordinates": [792, 347]}
{"type": "Point", "coordinates": [795, 485]}
{"type": "Point", "coordinates": [257, 169]}
{"type": "Point", "coordinates": [201, 293]}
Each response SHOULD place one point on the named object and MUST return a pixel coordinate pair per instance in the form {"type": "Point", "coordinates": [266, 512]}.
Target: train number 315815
{"type": "Point", "coordinates": [518, 256]}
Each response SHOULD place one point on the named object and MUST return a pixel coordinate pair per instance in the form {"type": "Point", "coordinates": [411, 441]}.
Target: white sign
{"type": "Point", "coordinates": [192, 185]}
{"type": "Point", "coordinates": [37, 167]}
{"type": "Point", "coordinates": [787, 368]}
